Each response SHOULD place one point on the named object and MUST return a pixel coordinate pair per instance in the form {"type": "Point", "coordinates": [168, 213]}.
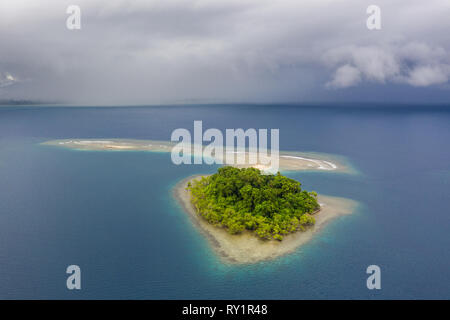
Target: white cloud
{"type": "Point", "coordinates": [345, 76]}
{"type": "Point", "coordinates": [7, 79]}
{"type": "Point", "coordinates": [423, 76]}
{"type": "Point", "coordinates": [416, 64]}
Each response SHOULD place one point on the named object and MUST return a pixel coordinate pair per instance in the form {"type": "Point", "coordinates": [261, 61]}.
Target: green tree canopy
{"type": "Point", "coordinates": [245, 199]}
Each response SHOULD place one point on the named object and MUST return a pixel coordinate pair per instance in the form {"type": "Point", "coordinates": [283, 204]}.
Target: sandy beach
{"type": "Point", "coordinates": [246, 248]}
{"type": "Point", "coordinates": [288, 161]}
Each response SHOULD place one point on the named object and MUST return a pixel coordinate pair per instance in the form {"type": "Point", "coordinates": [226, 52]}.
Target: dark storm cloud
{"type": "Point", "coordinates": [247, 50]}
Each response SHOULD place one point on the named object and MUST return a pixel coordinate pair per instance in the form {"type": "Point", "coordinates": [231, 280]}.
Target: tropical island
{"type": "Point", "coordinates": [270, 206]}
{"type": "Point", "coordinates": [248, 216]}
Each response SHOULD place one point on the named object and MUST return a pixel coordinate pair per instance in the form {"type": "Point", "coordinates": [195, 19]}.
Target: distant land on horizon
{"type": "Point", "coordinates": [324, 104]}
{"type": "Point", "coordinates": [21, 102]}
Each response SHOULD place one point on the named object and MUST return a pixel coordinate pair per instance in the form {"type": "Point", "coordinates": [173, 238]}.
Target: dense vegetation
{"type": "Point", "coordinates": [245, 199]}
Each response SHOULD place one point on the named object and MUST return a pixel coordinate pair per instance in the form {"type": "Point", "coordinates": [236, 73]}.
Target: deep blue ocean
{"type": "Point", "coordinates": [112, 213]}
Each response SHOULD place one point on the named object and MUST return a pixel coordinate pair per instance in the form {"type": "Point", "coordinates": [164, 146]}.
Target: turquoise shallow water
{"type": "Point", "coordinates": [112, 213]}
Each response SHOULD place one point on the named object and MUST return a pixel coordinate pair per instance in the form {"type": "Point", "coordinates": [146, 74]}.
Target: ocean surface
{"type": "Point", "coordinates": [113, 214]}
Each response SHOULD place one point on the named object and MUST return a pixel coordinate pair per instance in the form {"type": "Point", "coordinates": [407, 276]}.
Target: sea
{"type": "Point", "coordinates": [113, 214]}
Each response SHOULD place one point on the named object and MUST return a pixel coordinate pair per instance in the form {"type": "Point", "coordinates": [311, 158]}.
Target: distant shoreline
{"type": "Point", "coordinates": [246, 248]}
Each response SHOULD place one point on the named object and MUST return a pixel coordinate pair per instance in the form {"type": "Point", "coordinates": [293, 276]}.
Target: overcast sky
{"type": "Point", "coordinates": [172, 51]}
